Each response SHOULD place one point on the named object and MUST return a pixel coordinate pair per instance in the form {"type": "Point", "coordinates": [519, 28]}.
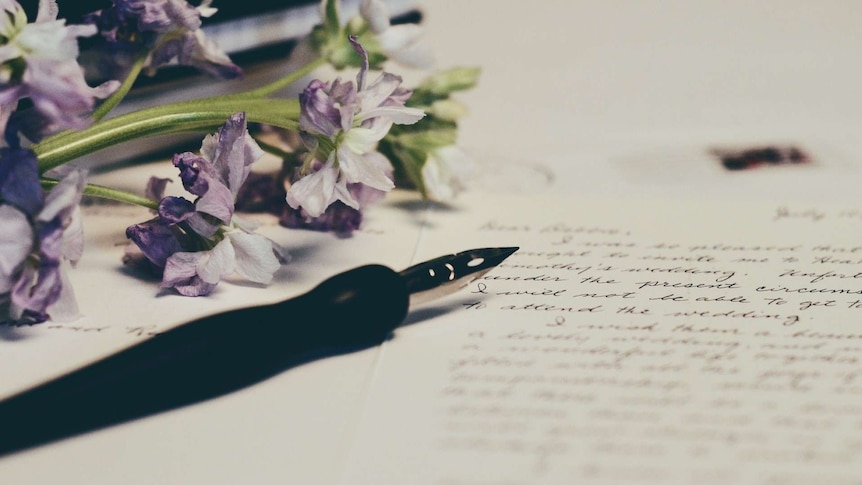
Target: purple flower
{"type": "Point", "coordinates": [265, 192]}
{"type": "Point", "coordinates": [196, 244]}
{"type": "Point", "coordinates": [38, 232]}
{"type": "Point", "coordinates": [314, 192]}
{"type": "Point", "coordinates": [38, 61]}
{"type": "Point", "coordinates": [169, 29]}
{"type": "Point", "coordinates": [262, 192]}
{"type": "Point", "coordinates": [338, 218]}
{"type": "Point", "coordinates": [341, 125]}
{"type": "Point", "coordinates": [340, 203]}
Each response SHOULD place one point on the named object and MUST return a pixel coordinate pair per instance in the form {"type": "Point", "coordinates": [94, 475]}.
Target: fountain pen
{"type": "Point", "coordinates": [225, 352]}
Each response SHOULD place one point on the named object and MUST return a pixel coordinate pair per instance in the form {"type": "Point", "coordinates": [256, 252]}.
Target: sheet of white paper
{"type": "Point", "coordinates": [629, 341]}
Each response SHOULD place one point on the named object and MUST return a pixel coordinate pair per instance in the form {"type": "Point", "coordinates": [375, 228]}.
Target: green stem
{"type": "Point", "coordinates": [289, 160]}
{"type": "Point", "coordinates": [283, 82]}
{"type": "Point", "coordinates": [187, 116]}
{"type": "Point", "coordinates": [123, 90]}
{"type": "Point", "coordinates": [272, 149]}
{"type": "Point", "coordinates": [109, 193]}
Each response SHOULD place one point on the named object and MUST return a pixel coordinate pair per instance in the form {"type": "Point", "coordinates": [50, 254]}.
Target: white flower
{"type": "Point", "coordinates": [316, 191]}
{"type": "Point", "coordinates": [446, 172]}
{"type": "Point", "coordinates": [46, 38]}
{"type": "Point", "coordinates": [401, 43]}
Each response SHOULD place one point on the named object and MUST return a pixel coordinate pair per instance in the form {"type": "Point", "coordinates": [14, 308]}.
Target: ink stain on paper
{"type": "Point", "coordinates": [759, 156]}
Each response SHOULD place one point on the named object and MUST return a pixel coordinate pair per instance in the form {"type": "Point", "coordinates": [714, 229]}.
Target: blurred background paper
{"type": "Point", "coordinates": [610, 85]}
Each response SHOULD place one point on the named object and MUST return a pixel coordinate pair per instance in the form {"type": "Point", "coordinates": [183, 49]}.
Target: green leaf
{"type": "Point", "coordinates": [330, 17]}
{"type": "Point", "coordinates": [408, 164]}
{"type": "Point", "coordinates": [443, 83]}
{"type": "Point", "coordinates": [320, 40]}
{"type": "Point", "coordinates": [427, 140]}
{"type": "Point", "coordinates": [447, 109]}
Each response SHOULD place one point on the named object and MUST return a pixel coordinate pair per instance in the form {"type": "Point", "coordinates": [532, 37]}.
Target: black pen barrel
{"type": "Point", "coordinates": [208, 357]}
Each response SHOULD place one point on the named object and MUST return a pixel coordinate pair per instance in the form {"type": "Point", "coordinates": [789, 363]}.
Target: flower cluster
{"type": "Point", "coordinates": [430, 157]}
{"type": "Point", "coordinates": [164, 31]}
{"type": "Point", "coordinates": [38, 62]}
{"type": "Point", "coordinates": [38, 232]}
{"type": "Point", "coordinates": [340, 125]}
{"type": "Point", "coordinates": [347, 143]}
{"type": "Point", "coordinates": [374, 30]}
{"type": "Point", "coordinates": [196, 244]}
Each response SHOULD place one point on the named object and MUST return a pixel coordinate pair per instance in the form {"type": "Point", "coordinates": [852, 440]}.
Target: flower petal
{"type": "Point", "coordinates": [47, 11]}
{"type": "Point", "coordinates": [181, 265]}
{"type": "Point", "coordinates": [49, 41]}
{"type": "Point", "coordinates": [36, 289]}
{"type": "Point", "coordinates": [337, 218]}
{"type": "Point", "coordinates": [65, 308]}
{"type": "Point", "coordinates": [378, 91]}
{"type": "Point", "coordinates": [173, 210]}
{"type": "Point", "coordinates": [375, 13]}
{"type": "Point", "coordinates": [60, 95]}
{"type": "Point", "coordinates": [155, 239]}
{"type": "Point", "coordinates": [181, 274]}
{"type": "Point", "coordinates": [400, 115]}
{"type": "Point", "coordinates": [255, 259]}
{"type": "Point", "coordinates": [314, 192]}
{"type": "Point", "coordinates": [446, 172]}
{"type": "Point", "coordinates": [359, 169]}
{"type": "Point", "coordinates": [233, 153]}
{"type": "Point", "coordinates": [19, 179]}
{"type": "Point", "coordinates": [203, 225]}
{"type": "Point", "coordinates": [217, 201]}
{"type": "Point", "coordinates": [318, 114]}
{"type": "Point", "coordinates": [156, 188]}
{"type": "Point", "coordinates": [364, 139]}
{"type": "Point", "coordinates": [216, 263]}
{"type": "Point", "coordinates": [73, 237]}
{"type": "Point", "coordinates": [203, 53]}
{"type": "Point", "coordinates": [344, 194]}
{"type": "Point", "coordinates": [16, 241]}
{"type": "Point", "coordinates": [191, 168]}
{"type": "Point", "coordinates": [417, 56]}
{"type": "Point", "coordinates": [63, 198]}
{"type": "Point", "coordinates": [400, 37]}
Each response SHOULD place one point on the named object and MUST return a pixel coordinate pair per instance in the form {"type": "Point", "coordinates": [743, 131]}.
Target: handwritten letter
{"type": "Point", "coordinates": [629, 342]}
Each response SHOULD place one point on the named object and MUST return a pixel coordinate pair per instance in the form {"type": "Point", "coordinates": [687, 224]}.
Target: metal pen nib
{"type": "Point", "coordinates": [442, 276]}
